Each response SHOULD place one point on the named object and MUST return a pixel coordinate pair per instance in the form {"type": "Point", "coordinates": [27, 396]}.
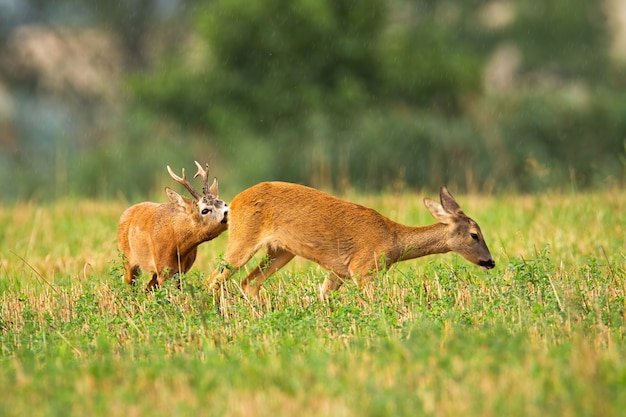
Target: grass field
{"type": "Point", "coordinates": [541, 334]}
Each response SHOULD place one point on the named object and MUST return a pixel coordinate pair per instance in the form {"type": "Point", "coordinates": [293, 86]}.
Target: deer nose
{"type": "Point", "coordinates": [225, 219]}
{"type": "Point", "coordinates": [487, 264]}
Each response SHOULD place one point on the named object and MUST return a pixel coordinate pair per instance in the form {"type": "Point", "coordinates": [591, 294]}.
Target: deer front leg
{"type": "Point", "coordinates": [154, 282]}
{"type": "Point", "coordinates": [331, 283]}
{"type": "Point", "coordinates": [131, 273]}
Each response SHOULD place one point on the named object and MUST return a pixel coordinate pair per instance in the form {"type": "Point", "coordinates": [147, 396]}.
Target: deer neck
{"type": "Point", "coordinates": [209, 233]}
{"type": "Point", "coordinates": [415, 242]}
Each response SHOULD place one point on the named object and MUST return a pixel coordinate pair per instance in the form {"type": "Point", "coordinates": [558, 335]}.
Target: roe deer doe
{"type": "Point", "coordinates": [162, 239]}
{"type": "Point", "coordinates": [349, 239]}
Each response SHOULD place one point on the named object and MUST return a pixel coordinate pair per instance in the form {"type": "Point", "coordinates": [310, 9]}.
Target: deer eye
{"type": "Point", "coordinates": [206, 211]}
{"type": "Point", "coordinates": [474, 236]}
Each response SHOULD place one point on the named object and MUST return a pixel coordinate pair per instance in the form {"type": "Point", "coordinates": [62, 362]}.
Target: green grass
{"type": "Point", "coordinates": [541, 334]}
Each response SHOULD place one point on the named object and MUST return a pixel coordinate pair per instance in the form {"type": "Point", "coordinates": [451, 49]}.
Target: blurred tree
{"type": "Point", "coordinates": [131, 21]}
{"type": "Point", "coordinates": [275, 63]}
{"type": "Point", "coordinates": [562, 38]}
{"type": "Point", "coordinates": [298, 75]}
{"type": "Point", "coordinates": [429, 59]}
{"type": "Point", "coordinates": [272, 63]}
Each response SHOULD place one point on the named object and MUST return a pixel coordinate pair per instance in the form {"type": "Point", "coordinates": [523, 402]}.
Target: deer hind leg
{"type": "Point", "coordinates": [166, 274]}
{"type": "Point", "coordinates": [158, 279]}
{"type": "Point", "coordinates": [273, 261]}
{"type": "Point", "coordinates": [234, 259]}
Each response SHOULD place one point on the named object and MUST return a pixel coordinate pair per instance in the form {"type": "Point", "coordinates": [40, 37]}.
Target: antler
{"type": "Point", "coordinates": [212, 190]}
{"type": "Point", "coordinates": [205, 177]}
{"type": "Point", "coordinates": [184, 182]}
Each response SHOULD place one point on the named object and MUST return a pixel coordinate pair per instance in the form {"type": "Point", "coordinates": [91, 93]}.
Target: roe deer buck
{"type": "Point", "coordinates": [162, 239]}
{"type": "Point", "coordinates": [346, 238]}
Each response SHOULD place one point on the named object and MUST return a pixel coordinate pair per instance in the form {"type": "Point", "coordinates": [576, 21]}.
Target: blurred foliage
{"type": "Point", "coordinates": [564, 37]}
{"type": "Point", "coordinates": [370, 93]}
{"type": "Point", "coordinates": [270, 65]}
{"type": "Point", "coordinates": [279, 64]}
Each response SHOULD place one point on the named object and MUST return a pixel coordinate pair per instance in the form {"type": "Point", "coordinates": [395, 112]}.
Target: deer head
{"type": "Point", "coordinates": [207, 208]}
{"type": "Point", "coordinates": [464, 234]}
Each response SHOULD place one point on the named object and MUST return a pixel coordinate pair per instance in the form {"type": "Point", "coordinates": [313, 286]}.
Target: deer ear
{"type": "Point", "coordinates": [213, 188]}
{"type": "Point", "coordinates": [448, 202]}
{"type": "Point", "coordinates": [175, 198]}
{"type": "Point", "coordinates": [438, 211]}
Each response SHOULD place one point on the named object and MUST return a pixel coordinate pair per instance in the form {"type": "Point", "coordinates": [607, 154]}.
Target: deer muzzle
{"type": "Point", "coordinates": [489, 264]}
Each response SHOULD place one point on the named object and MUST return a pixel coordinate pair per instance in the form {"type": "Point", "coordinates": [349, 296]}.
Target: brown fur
{"type": "Point", "coordinates": [161, 240]}
{"type": "Point", "coordinates": [346, 238]}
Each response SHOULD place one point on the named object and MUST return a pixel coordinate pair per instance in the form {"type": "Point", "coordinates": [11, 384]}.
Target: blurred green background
{"type": "Point", "coordinates": [97, 97]}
